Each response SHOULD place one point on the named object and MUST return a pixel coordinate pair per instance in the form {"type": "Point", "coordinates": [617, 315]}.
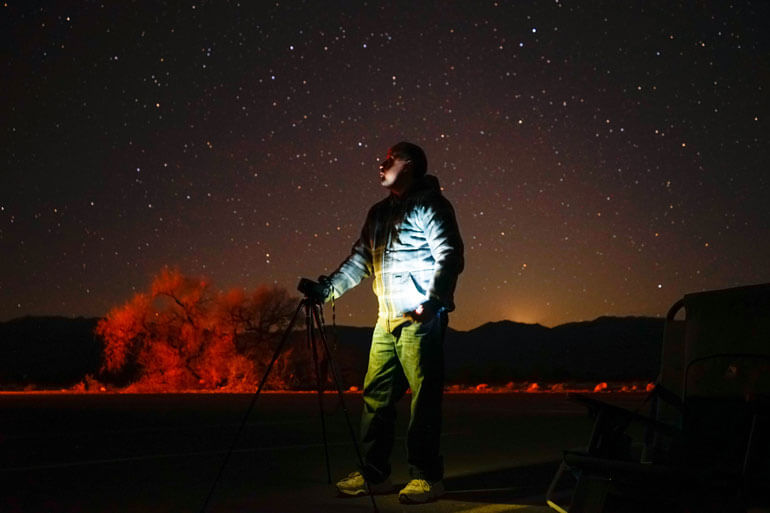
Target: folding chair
{"type": "Point", "coordinates": [705, 445]}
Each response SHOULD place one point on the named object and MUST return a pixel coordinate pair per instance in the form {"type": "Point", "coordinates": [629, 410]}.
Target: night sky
{"type": "Point", "coordinates": [603, 158]}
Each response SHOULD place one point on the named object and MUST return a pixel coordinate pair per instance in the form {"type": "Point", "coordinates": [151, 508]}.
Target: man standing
{"type": "Point", "coordinates": [411, 244]}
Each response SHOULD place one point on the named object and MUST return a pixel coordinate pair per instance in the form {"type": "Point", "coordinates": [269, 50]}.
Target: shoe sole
{"type": "Point", "coordinates": [352, 494]}
{"type": "Point", "coordinates": [356, 493]}
{"type": "Point", "coordinates": [405, 499]}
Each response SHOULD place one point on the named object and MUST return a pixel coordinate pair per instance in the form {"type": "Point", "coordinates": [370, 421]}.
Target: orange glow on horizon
{"type": "Point", "coordinates": [523, 314]}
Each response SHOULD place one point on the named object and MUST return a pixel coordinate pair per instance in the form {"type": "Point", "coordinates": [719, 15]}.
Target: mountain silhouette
{"type": "Point", "coordinates": [53, 352]}
{"type": "Point", "coordinates": [48, 351]}
{"type": "Point", "coordinates": [607, 348]}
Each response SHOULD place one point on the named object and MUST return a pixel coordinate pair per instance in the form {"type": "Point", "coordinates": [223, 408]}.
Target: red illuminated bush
{"type": "Point", "coordinates": [182, 334]}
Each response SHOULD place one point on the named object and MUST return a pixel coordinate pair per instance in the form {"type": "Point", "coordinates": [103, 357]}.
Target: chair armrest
{"type": "Point", "coordinates": [611, 423]}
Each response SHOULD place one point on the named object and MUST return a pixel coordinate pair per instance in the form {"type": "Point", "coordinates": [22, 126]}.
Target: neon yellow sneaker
{"type": "Point", "coordinates": [418, 491]}
{"type": "Point", "coordinates": [354, 484]}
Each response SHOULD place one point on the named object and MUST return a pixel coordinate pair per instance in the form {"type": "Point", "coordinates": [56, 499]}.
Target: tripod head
{"type": "Point", "coordinates": [315, 291]}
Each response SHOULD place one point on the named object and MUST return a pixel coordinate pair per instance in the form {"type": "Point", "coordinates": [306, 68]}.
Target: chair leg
{"type": "Point", "coordinates": [550, 495]}
{"type": "Point", "coordinates": [588, 496]}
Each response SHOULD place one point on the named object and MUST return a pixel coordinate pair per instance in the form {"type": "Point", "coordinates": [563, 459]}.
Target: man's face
{"type": "Point", "coordinates": [394, 172]}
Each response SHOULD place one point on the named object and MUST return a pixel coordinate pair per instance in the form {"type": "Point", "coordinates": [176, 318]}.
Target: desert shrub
{"type": "Point", "coordinates": [182, 334]}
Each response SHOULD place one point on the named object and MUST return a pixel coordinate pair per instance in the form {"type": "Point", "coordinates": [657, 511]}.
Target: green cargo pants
{"type": "Point", "coordinates": [411, 356]}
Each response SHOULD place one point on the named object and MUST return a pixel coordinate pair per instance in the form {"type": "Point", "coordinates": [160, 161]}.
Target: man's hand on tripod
{"type": "Point", "coordinates": [318, 292]}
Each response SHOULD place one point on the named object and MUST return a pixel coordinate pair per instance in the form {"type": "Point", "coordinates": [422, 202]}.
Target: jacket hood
{"type": "Point", "coordinates": [429, 182]}
{"type": "Point", "coordinates": [426, 185]}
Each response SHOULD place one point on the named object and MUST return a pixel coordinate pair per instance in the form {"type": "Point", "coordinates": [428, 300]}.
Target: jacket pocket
{"type": "Point", "coordinates": [421, 281]}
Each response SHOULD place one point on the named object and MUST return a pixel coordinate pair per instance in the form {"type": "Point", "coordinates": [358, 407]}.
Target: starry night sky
{"type": "Point", "coordinates": [604, 158]}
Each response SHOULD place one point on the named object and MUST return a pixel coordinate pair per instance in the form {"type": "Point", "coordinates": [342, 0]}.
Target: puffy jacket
{"type": "Point", "coordinates": [412, 246]}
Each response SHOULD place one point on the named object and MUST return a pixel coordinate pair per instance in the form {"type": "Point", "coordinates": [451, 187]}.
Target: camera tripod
{"type": "Point", "coordinates": [313, 322]}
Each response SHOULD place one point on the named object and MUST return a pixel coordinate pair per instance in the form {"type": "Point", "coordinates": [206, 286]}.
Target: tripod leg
{"type": "Point", "coordinates": [252, 403]}
{"type": "Point", "coordinates": [312, 346]}
{"type": "Point", "coordinates": [340, 393]}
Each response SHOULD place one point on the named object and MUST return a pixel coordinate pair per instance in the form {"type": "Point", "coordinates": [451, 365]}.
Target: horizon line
{"type": "Point", "coordinates": [370, 326]}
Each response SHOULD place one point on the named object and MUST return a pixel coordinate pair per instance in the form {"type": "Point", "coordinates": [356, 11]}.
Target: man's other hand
{"type": "Point", "coordinates": [423, 313]}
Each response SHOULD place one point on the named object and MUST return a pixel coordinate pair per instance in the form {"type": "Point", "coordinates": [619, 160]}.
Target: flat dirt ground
{"type": "Point", "coordinates": [161, 453]}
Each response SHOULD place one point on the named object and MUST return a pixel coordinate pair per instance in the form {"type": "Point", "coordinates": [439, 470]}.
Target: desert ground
{"type": "Point", "coordinates": [161, 453]}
